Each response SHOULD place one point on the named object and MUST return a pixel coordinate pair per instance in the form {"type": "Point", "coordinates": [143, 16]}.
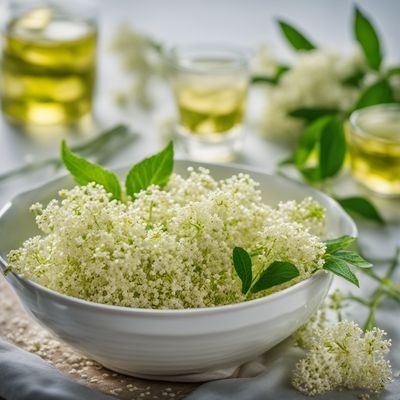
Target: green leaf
{"type": "Point", "coordinates": [308, 141]}
{"type": "Point", "coordinates": [361, 207]}
{"type": "Point", "coordinates": [332, 148]}
{"type": "Point", "coordinates": [339, 243]}
{"type": "Point", "coordinates": [272, 80]}
{"type": "Point", "coordinates": [312, 113]}
{"type": "Point", "coordinates": [277, 273]}
{"type": "Point", "coordinates": [393, 71]}
{"type": "Point", "coordinates": [85, 172]}
{"type": "Point", "coordinates": [243, 267]}
{"type": "Point", "coordinates": [378, 93]}
{"type": "Point", "coordinates": [352, 258]}
{"type": "Point", "coordinates": [255, 79]}
{"type": "Point", "coordinates": [294, 37]}
{"type": "Point", "coordinates": [154, 170]}
{"type": "Point", "coordinates": [354, 80]}
{"type": "Point", "coordinates": [366, 35]}
{"type": "Point", "coordinates": [340, 268]}
{"type": "Point", "coordinates": [311, 174]}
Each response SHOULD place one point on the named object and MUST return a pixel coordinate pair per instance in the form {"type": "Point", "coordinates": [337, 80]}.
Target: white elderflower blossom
{"type": "Point", "coordinates": [313, 81]}
{"type": "Point", "coordinates": [342, 356]}
{"type": "Point", "coordinates": [171, 247]}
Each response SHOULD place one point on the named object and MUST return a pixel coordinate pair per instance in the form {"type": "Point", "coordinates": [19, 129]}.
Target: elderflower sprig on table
{"type": "Point", "coordinates": [343, 356]}
{"type": "Point", "coordinates": [164, 241]}
{"type": "Point", "coordinates": [313, 376]}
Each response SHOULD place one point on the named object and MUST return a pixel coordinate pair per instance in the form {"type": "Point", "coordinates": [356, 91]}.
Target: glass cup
{"type": "Point", "coordinates": [210, 85]}
{"type": "Point", "coordinates": [48, 61]}
{"type": "Point", "coordinates": [374, 147]}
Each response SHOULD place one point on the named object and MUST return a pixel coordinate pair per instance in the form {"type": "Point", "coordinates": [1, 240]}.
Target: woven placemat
{"type": "Point", "coordinates": [18, 327]}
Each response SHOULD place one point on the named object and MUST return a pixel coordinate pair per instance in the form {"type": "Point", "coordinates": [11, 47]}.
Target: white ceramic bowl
{"type": "Point", "coordinates": [160, 343]}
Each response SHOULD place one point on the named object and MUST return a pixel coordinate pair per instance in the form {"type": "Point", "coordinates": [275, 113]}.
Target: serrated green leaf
{"type": "Point", "coordinates": [85, 172]}
{"type": "Point", "coordinates": [332, 151]}
{"type": "Point", "coordinates": [243, 267]}
{"type": "Point", "coordinates": [352, 258]}
{"type": "Point", "coordinates": [339, 243]}
{"type": "Point", "coordinates": [294, 37]}
{"type": "Point", "coordinates": [361, 207]}
{"type": "Point", "coordinates": [308, 141]}
{"type": "Point", "coordinates": [367, 37]}
{"type": "Point", "coordinates": [378, 93]}
{"type": "Point", "coordinates": [275, 274]}
{"type": "Point", "coordinates": [311, 114]}
{"type": "Point", "coordinates": [154, 170]}
{"type": "Point", "coordinates": [340, 268]}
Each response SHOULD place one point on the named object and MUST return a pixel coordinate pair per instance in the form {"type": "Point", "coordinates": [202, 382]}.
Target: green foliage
{"type": "Point", "coordinates": [362, 207]}
{"type": "Point", "coordinates": [294, 37]}
{"type": "Point", "coordinates": [378, 93]}
{"type": "Point", "coordinates": [85, 172]}
{"type": "Point", "coordinates": [243, 267]}
{"type": "Point", "coordinates": [367, 37]}
{"type": "Point", "coordinates": [275, 274]}
{"type": "Point", "coordinates": [154, 170]}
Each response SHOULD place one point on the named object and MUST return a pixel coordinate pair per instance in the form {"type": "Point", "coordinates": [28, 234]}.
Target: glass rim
{"type": "Point", "coordinates": [356, 128]}
{"type": "Point", "coordinates": [182, 57]}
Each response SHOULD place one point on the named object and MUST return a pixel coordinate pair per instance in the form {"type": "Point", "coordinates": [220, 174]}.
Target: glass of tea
{"type": "Point", "coordinates": [48, 61]}
{"type": "Point", "coordinates": [374, 146]}
{"type": "Point", "coordinates": [210, 85]}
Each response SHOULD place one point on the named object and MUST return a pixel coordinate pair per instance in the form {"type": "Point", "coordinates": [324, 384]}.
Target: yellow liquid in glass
{"type": "Point", "coordinates": [375, 159]}
{"type": "Point", "coordinates": [211, 106]}
{"type": "Point", "coordinates": [48, 69]}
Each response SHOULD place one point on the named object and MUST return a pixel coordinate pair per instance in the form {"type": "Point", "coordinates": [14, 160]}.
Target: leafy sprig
{"type": "Point", "coordinates": [154, 170]}
{"type": "Point", "coordinates": [337, 260]}
{"type": "Point", "coordinates": [321, 148]}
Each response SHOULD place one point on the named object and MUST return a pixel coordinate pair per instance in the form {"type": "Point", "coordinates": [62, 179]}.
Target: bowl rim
{"type": "Point", "coordinates": [184, 311]}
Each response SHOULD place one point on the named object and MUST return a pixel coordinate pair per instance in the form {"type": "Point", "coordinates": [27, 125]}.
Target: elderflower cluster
{"type": "Point", "coordinates": [171, 248]}
{"type": "Point", "coordinates": [315, 80]}
{"type": "Point", "coordinates": [342, 356]}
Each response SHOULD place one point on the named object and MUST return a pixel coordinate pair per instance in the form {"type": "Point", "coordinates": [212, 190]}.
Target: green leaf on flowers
{"type": "Point", "coordinates": [310, 114]}
{"type": "Point", "coordinates": [339, 243]}
{"type": "Point", "coordinates": [311, 174]}
{"type": "Point", "coordinates": [352, 258]}
{"type": "Point", "coordinates": [308, 141]}
{"type": "Point", "coordinates": [367, 37]}
{"type": "Point", "coordinates": [277, 273]}
{"type": "Point", "coordinates": [294, 37]}
{"type": "Point", "coordinates": [354, 80]}
{"type": "Point", "coordinates": [340, 267]}
{"type": "Point", "coordinates": [154, 170]}
{"type": "Point", "coordinates": [332, 150]}
{"type": "Point", "coordinates": [243, 267]}
{"type": "Point", "coordinates": [85, 172]}
{"type": "Point", "coordinates": [378, 93]}
{"type": "Point", "coordinates": [362, 207]}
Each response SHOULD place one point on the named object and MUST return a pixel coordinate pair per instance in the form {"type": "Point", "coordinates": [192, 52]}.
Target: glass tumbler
{"type": "Point", "coordinates": [210, 86]}
{"type": "Point", "coordinates": [48, 61]}
{"type": "Point", "coordinates": [374, 147]}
